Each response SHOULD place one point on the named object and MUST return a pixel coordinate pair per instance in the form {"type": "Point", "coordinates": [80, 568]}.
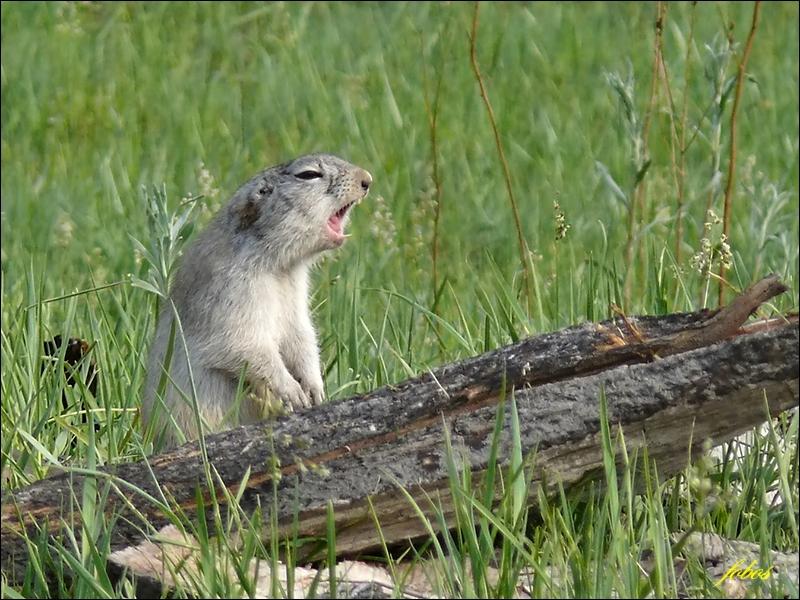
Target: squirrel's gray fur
{"type": "Point", "coordinates": [241, 292]}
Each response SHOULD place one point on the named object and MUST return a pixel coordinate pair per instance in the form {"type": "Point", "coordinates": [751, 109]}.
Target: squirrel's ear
{"type": "Point", "coordinates": [246, 213]}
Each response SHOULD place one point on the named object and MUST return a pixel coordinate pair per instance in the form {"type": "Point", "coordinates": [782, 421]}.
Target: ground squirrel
{"type": "Point", "coordinates": [241, 291]}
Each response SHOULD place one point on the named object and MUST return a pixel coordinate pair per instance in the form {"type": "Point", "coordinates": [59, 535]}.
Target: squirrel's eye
{"type": "Point", "coordinates": [309, 175]}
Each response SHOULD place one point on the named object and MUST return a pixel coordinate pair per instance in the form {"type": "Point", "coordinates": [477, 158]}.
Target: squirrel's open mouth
{"type": "Point", "coordinates": [336, 223]}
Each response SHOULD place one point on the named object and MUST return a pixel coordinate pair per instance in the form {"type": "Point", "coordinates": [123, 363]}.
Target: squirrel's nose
{"type": "Point", "coordinates": [366, 180]}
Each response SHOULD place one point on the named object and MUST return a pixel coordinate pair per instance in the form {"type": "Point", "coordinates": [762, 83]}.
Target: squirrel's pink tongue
{"type": "Point", "coordinates": [335, 223]}
{"type": "Point", "coordinates": [335, 228]}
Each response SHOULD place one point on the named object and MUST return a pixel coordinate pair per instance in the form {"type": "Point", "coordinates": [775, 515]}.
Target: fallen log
{"type": "Point", "coordinates": [670, 382]}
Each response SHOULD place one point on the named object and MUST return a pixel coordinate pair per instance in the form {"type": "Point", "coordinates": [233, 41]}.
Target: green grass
{"type": "Point", "coordinates": [102, 100]}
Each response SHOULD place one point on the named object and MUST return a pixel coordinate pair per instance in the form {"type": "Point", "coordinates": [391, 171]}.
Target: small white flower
{"type": "Point", "coordinates": [206, 181]}
{"type": "Point", "coordinates": [561, 222]}
{"type": "Point", "coordinates": [725, 254]}
{"type": "Point", "coordinates": [64, 228]}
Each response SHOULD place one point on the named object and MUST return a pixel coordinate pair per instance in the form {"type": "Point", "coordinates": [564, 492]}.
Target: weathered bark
{"type": "Point", "coordinates": [670, 382]}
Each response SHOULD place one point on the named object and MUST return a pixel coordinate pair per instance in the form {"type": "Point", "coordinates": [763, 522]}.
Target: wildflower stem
{"type": "Point", "coordinates": [726, 214]}
{"type": "Point", "coordinates": [432, 110]}
{"type": "Point", "coordinates": [523, 247]}
{"type": "Point", "coordinates": [637, 206]}
{"type": "Point", "coordinates": [682, 143]}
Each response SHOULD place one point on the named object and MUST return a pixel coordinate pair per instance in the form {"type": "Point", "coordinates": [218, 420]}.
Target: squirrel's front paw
{"type": "Point", "coordinates": [292, 395]}
{"type": "Point", "coordinates": [315, 392]}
